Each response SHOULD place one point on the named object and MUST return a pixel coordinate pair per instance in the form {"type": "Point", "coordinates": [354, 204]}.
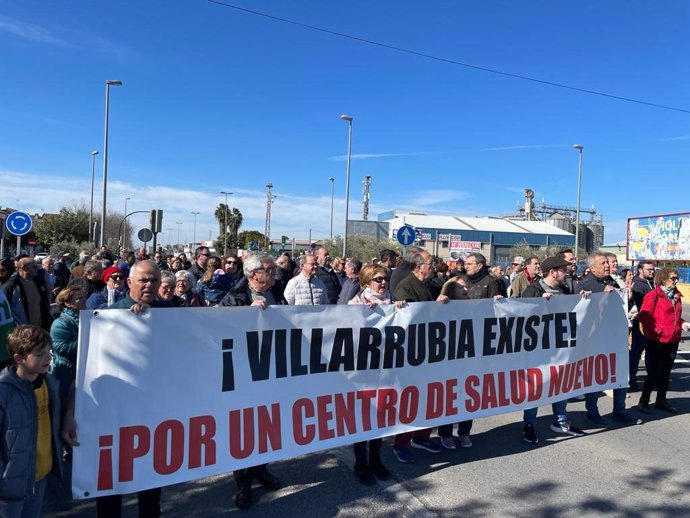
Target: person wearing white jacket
{"type": "Point", "coordinates": [306, 289]}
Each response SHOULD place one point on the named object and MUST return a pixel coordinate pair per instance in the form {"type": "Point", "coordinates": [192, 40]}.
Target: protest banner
{"type": "Point", "coordinates": [179, 394]}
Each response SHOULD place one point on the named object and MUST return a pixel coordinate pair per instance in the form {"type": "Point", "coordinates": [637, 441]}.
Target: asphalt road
{"type": "Point", "coordinates": [630, 471]}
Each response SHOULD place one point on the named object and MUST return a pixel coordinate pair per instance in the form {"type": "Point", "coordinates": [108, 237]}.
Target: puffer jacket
{"type": "Point", "coordinates": [302, 291]}
{"type": "Point", "coordinates": [18, 429]}
{"type": "Point", "coordinates": [65, 332]}
{"type": "Point", "coordinates": [660, 318]}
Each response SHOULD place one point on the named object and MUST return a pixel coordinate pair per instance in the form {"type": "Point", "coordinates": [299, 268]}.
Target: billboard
{"type": "Point", "coordinates": [659, 238]}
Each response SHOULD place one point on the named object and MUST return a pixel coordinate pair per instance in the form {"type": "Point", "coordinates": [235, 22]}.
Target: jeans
{"type": "Point", "coordinates": [30, 507]}
{"type": "Point", "coordinates": [619, 395]}
{"type": "Point", "coordinates": [560, 414]}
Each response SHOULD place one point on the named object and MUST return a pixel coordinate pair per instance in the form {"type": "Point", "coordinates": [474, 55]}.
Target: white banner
{"type": "Point", "coordinates": [180, 394]}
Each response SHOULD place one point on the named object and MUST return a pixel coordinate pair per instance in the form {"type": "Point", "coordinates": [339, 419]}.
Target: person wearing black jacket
{"type": "Point", "coordinates": [643, 283]}
{"type": "Point", "coordinates": [28, 296]}
{"type": "Point", "coordinates": [327, 275]}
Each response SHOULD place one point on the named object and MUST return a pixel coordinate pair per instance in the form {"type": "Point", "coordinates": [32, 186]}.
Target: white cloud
{"type": "Point", "coordinates": [364, 156]}
{"type": "Point", "coordinates": [512, 148]}
{"type": "Point", "coordinates": [30, 31]}
{"type": "Point", "coordinates": [680, 137]}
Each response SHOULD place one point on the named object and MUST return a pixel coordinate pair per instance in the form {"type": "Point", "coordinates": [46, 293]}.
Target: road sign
{"type": "Point", "coordinates": [19, 223]}
{"type": "Point", "coordinates": [406, 235]}
{"type": "Point", "coordinates": [145, 235]}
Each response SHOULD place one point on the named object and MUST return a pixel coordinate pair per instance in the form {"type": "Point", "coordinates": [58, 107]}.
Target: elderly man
{"type": "Point", "coordinates": [305, 289]}
{"type": "Point", "coordinates": [643, 283]}
{"type": "Point", "coordinates": [351, 286]}
{"type": "Point", "coordinates": [327, 275]}
{"type": "Point", "coordinates": [256, 288]}
{"type": "Point", "coordinates": [414, 288]}
{"type": "Point", "coordinates": [201, 255]}
{"type": "Point", "coordinates": [91, 282]}
{"type": "Point", "coordinates": [528, 276]}
{"type": "Point", "coordinates": [49, 278]}
{"type": "Point", "coordinates": [599, 280]}
{"type": "Point", "coordinates": [283, 273]}
{"type": "Point", "coordinates": [555, 270]}
{"type": "Point", "coordinates": [144, 281]}
{"type": "Point", "coordinates": [516, 267]}
{"type": "Point", "coordinates": [28, 296]}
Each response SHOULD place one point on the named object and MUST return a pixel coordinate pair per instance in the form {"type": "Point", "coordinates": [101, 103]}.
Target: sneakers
{"type": "Point", "coordinates": [597, 420]}
{"type": "Point", "coordinates": [428, 445]}
{"type": "Point", "coordinates": [465, 441]}
{"type": "Point", "coordinates": [448, 443]}
{"type": "Point", "coordinates": [566, 428]}
{"type": "Point", "coordinates": [404, 455]}
{"type": "Point", "coordinates": [529, 434]}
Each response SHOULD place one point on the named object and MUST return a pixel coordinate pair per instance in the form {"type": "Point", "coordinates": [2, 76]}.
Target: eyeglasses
{"type": "Point", "coordinates": [116, 277]}
{"type": "Point", "coordinates": [674, 278]}
{"type": "Point", "coordinates": [379, 280]}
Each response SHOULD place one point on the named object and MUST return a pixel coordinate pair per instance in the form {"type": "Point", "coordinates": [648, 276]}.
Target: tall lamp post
{"type": "Point", "coordinates": [579, 188]}
{"type": "Point", "coordinates": [194, 232]}
{"type": "Point", "coordinates": [225, 226]}
{"type": "Point", "coordinates": [92, 237]}
{"type": "Point", "coordinates": [124, 237]}
{"type": "Point", "coordinates": [108, 84]}
{"type": "Point", "coordinates": [332, 180]}
{"type": "Point", "coordinates": [348, 119]}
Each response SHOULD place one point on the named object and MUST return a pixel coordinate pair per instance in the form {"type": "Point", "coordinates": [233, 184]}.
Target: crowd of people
{"type": "Point", "coordinates": [41, 306]}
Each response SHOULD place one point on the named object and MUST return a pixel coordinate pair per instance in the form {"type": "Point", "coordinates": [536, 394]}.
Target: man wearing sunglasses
{"type": "Point", "coordinates": [201, 255]}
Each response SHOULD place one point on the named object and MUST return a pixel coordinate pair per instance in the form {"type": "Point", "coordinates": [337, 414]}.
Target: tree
{"type": "Point", "coordinates": [362, 247]}
{"type": "Point", "coordinates": [523, 249]}
{"type": "Point", "coordinates": [234, 219]}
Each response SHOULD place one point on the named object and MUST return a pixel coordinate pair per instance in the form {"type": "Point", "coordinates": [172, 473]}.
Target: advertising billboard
{"type": "Point", "coordinates": [665, 237]}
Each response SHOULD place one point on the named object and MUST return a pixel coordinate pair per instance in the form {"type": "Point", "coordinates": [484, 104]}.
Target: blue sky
{"type": "Point", "coordinates": [219, 99]}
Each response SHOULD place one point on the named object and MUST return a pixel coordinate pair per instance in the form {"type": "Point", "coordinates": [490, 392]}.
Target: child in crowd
{"type": "Point", "coordinates": [29, 420]}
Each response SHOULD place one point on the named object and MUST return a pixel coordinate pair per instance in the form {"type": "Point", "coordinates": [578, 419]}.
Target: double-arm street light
{"type": "Point", "coordinates": [92, 236]}
{"type": "Point", "coordinates": [579, 188]}
{"type": "Point", "coordinates": [348, 119]}
{"type": "Point", "coordinates": [108, 84]}
{"type": "Point", "coordinates": [225, 227]}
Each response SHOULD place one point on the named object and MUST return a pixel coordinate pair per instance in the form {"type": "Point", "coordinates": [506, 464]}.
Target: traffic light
{"type": "Point", "coordinates": [156, 221]}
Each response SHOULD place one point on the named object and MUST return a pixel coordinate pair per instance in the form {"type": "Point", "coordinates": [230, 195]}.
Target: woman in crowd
{"type": "Point", "coordinates": [339, 268]}
{"type": "Point", "coordinates": [186, 264]}
{"type": "Point", "coordinates": [184, 290]}
{"type": "Point", "coordinates": [215, 283]}
{"type": "Point", "coordinates": [374, 284]}
{"type": "Point", "coordinates": [6, 270]}
{"type": "Point", "coordinates": [166, 291]}
{"type": "Point", "coordinates": [64, 331]}
{"type": "Point", "coordinates": [232, 265]}
{"type": "Point", "coordinates": [114, 290]}
{"type": "Point", "coordinates": [176, 265]}
{"type": "Point", "coordinates": [661, 322]}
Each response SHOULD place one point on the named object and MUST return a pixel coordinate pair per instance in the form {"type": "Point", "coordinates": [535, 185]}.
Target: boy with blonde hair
{"type": "Point", "coordinates": [29, 420]}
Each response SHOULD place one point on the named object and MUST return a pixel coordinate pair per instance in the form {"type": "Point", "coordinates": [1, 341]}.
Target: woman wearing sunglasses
{"type": "Point", "coordinates": [373, 280]}
{"type": "Point", "coordinates": [114, 291]}
{"type": "Point", "coordinates": [661, 322]}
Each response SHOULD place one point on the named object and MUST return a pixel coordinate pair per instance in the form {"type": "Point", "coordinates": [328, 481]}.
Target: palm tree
{"type": "Point", "coordinates": [220, 214]}
{"type": "Point", "coordinates": [234, 221]}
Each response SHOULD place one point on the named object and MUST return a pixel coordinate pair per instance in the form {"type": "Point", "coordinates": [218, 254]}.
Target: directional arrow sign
{"type": "Point", "coordinates": [406, 235]}
{"type": "Point", "coordinates": [19, 223]}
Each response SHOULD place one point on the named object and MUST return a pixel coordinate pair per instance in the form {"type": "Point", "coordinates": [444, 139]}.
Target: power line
{"type": "Point", "coordinates": [447, 60]}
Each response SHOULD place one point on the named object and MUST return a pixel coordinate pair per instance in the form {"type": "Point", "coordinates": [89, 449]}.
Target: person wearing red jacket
{"type": "Point", "coordinates": [662, 324]}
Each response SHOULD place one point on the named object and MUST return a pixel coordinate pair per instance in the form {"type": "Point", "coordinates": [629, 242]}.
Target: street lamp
{"type": "Point", "coordinates": [178, 223]}
{"type": "Point", "coordinates": [225, 227]}
{"type": "Point", "coordinates": [348, 119]}
{"type": "Point", "coordinates": [332, 180]}
{"type": "Point", "coordinates": [194, 233]}
{"type": "Point", "coordinates": [579, 188]}
{"type": "Point", "coordinates": [93, 175]}
{"type": "Point", "coordinates": [124, 238]}
{"type": "Point", "coordinates": [108, 84]}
